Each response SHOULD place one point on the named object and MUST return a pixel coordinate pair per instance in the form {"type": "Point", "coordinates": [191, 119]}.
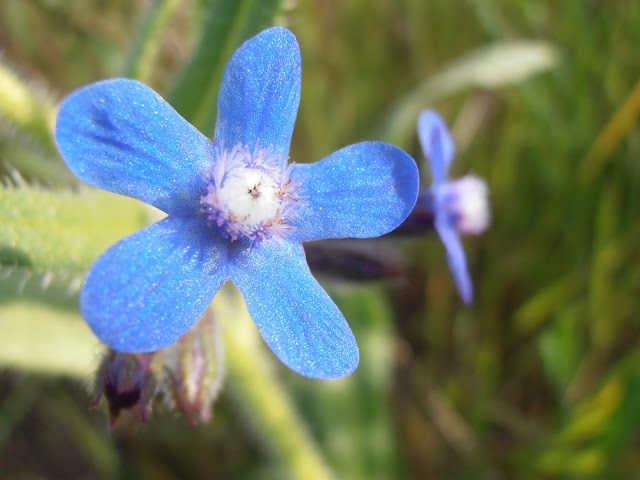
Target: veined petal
{"type": "Point", "coordinates": [148, 289]}
{"type": "Point", "coordinates": [260, 92]}
{"type": "Point", "coordinates": [437, 144]}
{"type": "Point", "coordinates": [363, 190]}
{"type": "Point", "coordinates": [455, 257]}
{"type": "Point", "coordinates": [121, 136]}
{"type": "Point", "coordinates": [295, 316]}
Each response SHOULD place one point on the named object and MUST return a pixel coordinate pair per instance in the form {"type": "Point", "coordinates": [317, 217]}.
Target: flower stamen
{"type": "Point", "coordinates": [251, 194]}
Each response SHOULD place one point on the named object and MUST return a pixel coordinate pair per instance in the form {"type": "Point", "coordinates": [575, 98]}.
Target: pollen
{"type": "Point", "coordinates": [250, 194]}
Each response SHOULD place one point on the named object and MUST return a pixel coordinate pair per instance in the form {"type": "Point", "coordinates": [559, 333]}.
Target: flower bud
{"type": "Point", "coordinates": [421, 219]}
{"type": "Point", "coordinates": [188, 374]}
{"type": "Point", "coordinates": [353, 259]}
{"type": "Point", "coordinates": [128, 382]}
{"type": "Point", "coordinates": [195, 366]}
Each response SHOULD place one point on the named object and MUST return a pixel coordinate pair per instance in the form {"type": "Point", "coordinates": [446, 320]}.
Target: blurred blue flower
{"type": "Point", "coordinates": [236, 209]}
{"type": "Point", "coordinates": [458, 206]}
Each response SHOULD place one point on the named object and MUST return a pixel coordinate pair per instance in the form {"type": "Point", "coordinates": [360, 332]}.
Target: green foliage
{"type": "Point", "coordinates": [49, 231]}
{"type": "Point", "coordinates": [225, 25]}
{"type": "Point", "coordinates": [490, 67]}
{"type": "Point", "coordinates": [146, 44]}
{"type": "Point", "coordinates": [350, 415]}
{"type": "Point", "coordinates": [42, 330]}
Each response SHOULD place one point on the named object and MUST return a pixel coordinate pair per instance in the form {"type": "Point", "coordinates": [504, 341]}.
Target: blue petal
{"type": "Point", "coordinates": [437, 144]}
{"type": "Point", "coordinates": [148, 289]}
{"type": "Point", "coordinates": [295, 316]}
{"type": "Point", "coordinates": [260, 92]}
{"type": "Point", "coordinates": [363, 190]}
{"type": "Point", "coordinates": [121, 136]}
{"type": "Point", "coordinates": [456, 258]}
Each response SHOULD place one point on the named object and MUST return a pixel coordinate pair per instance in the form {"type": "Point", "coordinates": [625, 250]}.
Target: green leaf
{"type": "Point", "coordinates": [490, 67]}
{"type": "Point", "coordinates": [48, 231]}
{"type": "Point", "coordinates": [43, 332]}
{"type": "Point", "coordinates": [225, 25]}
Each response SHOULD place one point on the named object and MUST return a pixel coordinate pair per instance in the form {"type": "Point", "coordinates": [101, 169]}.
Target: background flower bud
{"type": "Point", "coordinates": [128, 381]}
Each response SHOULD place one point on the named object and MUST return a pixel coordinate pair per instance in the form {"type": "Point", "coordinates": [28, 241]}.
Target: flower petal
{"type": "Point", "coordinates": [148, 289]}
{"type": "Point", "coordinates": [437, 144]}
{"type": "Point", "coordinates": [260, 92]}
{"type": "Point", "coordinates": [456, 258]}
{"type": "Point", "coordinates": [363, 190]}
{"type": "Point", "coordinates": [295, 316]}
{"type": "Point", "coordinates": [121, 136]}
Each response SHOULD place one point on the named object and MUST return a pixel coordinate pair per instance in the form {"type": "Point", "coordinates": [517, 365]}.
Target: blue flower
{"type": "Point", "coordinates": [458, 206]}
{"type": "Point", "coordinates": [235, 209]}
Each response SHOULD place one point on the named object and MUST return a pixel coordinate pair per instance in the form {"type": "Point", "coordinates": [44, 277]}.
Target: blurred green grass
{"type": "Point", "coordinates": [539, 378]}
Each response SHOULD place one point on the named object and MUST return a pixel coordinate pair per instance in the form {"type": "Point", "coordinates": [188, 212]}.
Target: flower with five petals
{"type": "Point", "coordinates": [236, 210]}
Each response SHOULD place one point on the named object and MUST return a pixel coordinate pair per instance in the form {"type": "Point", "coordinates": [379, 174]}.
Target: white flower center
{"type": "Point", "coordinates": [251, 195]}
{"type": "Point", "coordinates": [469, 204]}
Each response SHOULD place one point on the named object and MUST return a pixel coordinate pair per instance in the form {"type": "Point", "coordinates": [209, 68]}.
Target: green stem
{"type": "Point", "coordinates": [254, 384]}
{"type": "Point", "coordinates": [614, 132]}
{"type": "Point", "coordinates": [146, 44]}
{"type": "Point", "coordinates": [48, 231]}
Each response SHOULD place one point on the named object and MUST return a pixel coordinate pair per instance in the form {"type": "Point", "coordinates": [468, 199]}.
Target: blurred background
{"type": "Point", "coordinates": [538, 378]}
